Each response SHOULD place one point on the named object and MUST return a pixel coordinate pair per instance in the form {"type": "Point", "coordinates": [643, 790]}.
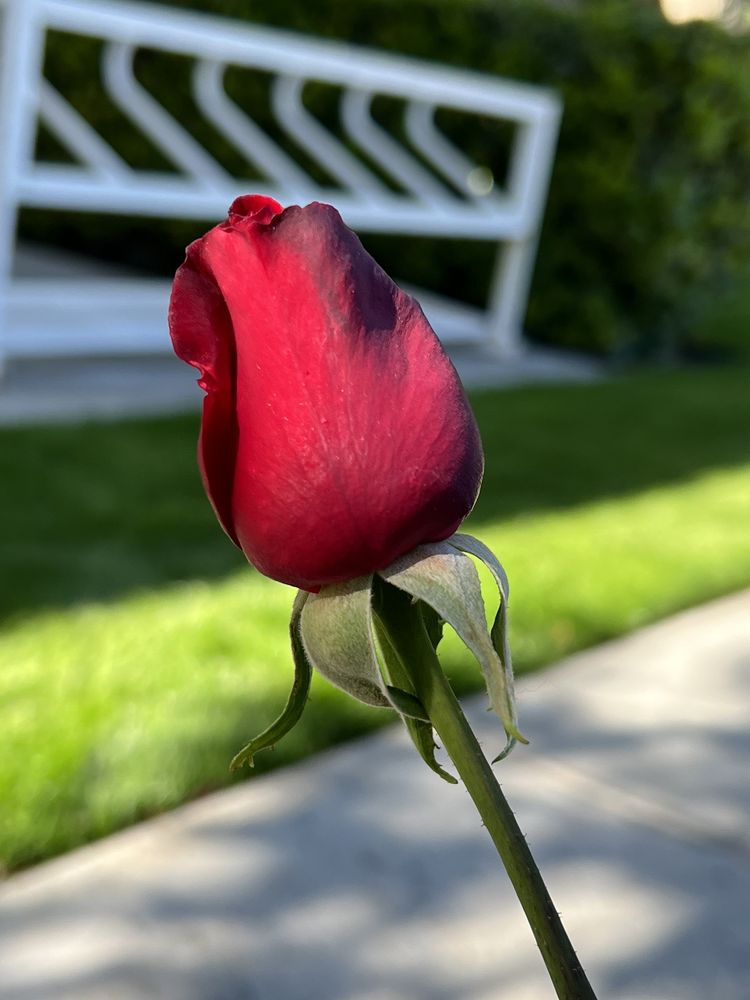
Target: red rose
{"type": "Point", "coordinates": [336, 435]}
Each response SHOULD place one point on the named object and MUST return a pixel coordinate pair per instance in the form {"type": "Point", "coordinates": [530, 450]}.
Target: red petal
{"type": "Point", "coordinates": [356, 442]}
{"type": "Point", "coordinates": [254, 207]}
{"type": "Point", "coordinates": [201, 332]}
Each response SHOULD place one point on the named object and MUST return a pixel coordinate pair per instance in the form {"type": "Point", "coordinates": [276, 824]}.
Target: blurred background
{"type": "Point", "coordinates": [137, 649]}
{"type": "Point", "coordinates": [645, 246]}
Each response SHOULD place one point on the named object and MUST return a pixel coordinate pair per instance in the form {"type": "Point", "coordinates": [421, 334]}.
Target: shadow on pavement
{"type": "Point", "coordinates": [360, 875]}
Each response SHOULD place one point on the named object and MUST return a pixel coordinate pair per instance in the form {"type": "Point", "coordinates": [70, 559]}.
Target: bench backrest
{"type": "Point", "coordinates": [433, 188]}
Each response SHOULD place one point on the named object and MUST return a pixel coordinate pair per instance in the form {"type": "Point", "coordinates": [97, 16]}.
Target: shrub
{"type": "Point", "coordinates": [648, 224]}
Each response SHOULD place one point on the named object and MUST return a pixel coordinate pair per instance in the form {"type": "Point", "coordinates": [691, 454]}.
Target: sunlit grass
{"type": "Point", "coordinates": [138, 652]}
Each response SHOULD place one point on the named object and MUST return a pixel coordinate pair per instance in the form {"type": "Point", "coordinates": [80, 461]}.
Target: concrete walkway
{"type": "Point", "coordinates": [361, 876]}
{"type": "Point", "coordinates": [73, 388]}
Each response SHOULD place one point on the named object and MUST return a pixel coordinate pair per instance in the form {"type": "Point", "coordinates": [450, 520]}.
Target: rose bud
{"type": "Point", "coordinates": [336, 436]}
{"type": "Point", "coordinates": [340, 453]}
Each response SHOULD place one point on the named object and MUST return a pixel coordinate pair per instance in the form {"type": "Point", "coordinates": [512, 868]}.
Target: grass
{"type": "Point", "coordinates": [138, 651]}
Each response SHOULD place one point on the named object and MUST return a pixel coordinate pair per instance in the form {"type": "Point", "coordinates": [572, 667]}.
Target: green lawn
{"type": "Point", "coordinates": [138, 651]}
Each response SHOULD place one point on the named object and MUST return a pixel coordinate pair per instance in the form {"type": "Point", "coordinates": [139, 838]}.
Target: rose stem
{"type": "Point", "coordinates": [396, 615]}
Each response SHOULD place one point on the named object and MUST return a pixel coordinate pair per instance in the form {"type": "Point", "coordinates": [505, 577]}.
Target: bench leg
{"type": "Point", "coordinates": [509, 291]}
{"type": "Point", "coordinates": [21, 50]}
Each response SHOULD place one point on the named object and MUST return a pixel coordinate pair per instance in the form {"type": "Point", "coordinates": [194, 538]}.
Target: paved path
{"type": "Point", "coordinates": [75, 389]}
{"type": "Point", "coordinates": [360, 876]}
{"type": "Point", "coordinates": [71, 389]}
{"type": "Point", "coordinates": [79, 389]}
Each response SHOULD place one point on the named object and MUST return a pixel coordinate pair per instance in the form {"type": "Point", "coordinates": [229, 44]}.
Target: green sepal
{"type": "Point", "coordinates": [511, 742]}
{"type": "Point", "coordinates": [499, 631]}
{"type": "Point", "coordinates": [407, 704]}
{"type": "Point", "coordinates": [418, 725]}
{"type": "Point", "coordinates": [297, 696]}
{"type": "Point", "coordinates": [423, 738]}
{"type": "Point", "coordinates": [443, 577]}
{"type": "Point", "coordinates": [433, 623]}
{"type": "Point", "coordinates": [337, 636]}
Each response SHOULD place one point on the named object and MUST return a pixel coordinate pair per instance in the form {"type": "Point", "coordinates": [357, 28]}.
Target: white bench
{"type": "Point", "coordinates": [440, 192]}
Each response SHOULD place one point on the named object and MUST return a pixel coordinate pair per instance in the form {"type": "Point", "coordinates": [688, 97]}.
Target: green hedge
{"type": "Point", "coordinates": [647, 229]}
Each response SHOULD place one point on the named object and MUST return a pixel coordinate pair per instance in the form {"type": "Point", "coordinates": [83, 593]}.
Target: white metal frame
{"type": "Point", "coordinates": [45, 317]}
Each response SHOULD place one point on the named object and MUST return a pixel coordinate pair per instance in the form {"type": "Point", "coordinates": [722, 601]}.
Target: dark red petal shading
{"type": "Point", "coordinates": [201, 332]}
{"type": "Point", "coordinates": [356, 442]}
